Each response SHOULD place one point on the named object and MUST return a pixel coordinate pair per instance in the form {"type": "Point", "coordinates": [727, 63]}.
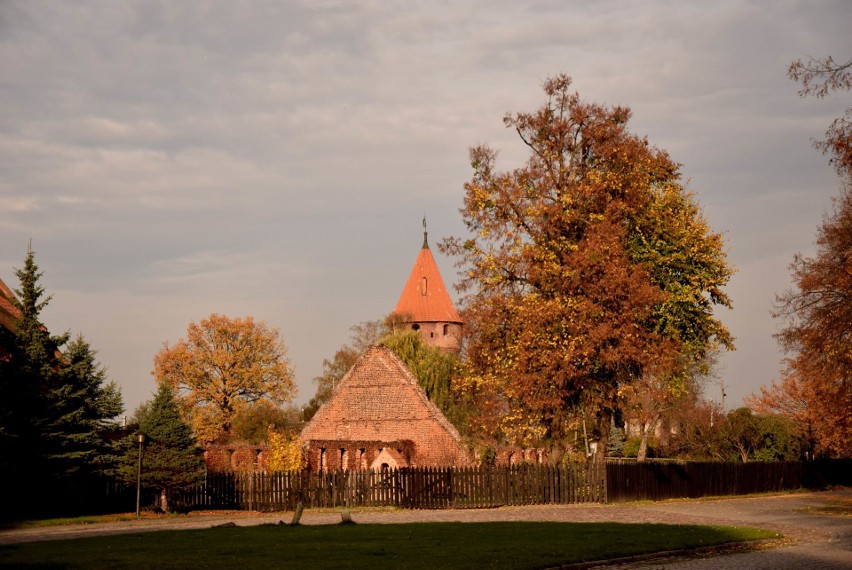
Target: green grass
{"type": "Point", "coordinates": [418, 545]}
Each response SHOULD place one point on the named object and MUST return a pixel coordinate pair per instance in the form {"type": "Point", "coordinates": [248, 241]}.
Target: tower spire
{"type": "Point", "coordinates": [425, 234]}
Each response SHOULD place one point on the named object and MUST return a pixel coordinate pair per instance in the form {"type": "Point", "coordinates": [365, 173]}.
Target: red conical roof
{"type": "Point", "coordinates": [425, 297]}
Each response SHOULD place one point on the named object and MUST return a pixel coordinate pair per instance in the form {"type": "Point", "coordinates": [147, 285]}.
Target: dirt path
{"type": "Point", "coordinates": [817, 539]}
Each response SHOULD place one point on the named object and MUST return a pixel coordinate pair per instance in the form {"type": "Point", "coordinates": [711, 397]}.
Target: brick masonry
{"type": "Point", "coordinates": [379, 407]}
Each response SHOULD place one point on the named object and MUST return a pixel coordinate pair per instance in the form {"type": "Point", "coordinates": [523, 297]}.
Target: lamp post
{"type": "Point", "coordinates": [140, 437]}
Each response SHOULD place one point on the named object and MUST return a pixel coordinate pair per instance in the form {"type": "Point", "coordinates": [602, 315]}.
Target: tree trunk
{"type": "Point", "coordinates": [164, 501]}
{"type": "Point", "coordinates": [604, 425]}
{"type": "Point", "coordinates": [643, 444]}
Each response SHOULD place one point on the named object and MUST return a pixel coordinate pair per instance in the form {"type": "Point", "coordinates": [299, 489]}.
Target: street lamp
{"type": "Point", "coordinates": [140, 437]}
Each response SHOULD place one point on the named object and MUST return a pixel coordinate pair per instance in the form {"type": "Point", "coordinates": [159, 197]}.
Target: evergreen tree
{"type": "Point", "coordinates": [56, 409]}
{"type": "Point", "coordinates": [171, 460]}
{"type": "Point", "coordinates": [84, 405]}
{"type": "Point", "coordinates": [29, 375]}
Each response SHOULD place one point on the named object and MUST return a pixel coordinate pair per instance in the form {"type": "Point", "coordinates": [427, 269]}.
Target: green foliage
{"type": "Point", "coordinates": [170, 457]}
{"type": "Point", "coordinates": [56, 409]}
{"type": "Point", "coordinates": [760, 437]}
{"type": "Point", "coordinates": [616, 444]}
{"type": "Point", "coordinates": [488, 456]}
{"type": "Point", "coordinates": [588, 268]}
{"type": "Point", "coordinates": [433, 368]}
{"type": "Point", "coordinates": [631, 447]}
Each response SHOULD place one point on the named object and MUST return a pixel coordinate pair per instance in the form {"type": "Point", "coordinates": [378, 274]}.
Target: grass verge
{"type": "Point", "coordinates": [416, 545]}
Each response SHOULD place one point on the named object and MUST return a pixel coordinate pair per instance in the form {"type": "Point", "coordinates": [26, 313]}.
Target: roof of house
{"type": "Point", "coordinates": [425, 297]}
{"type": "Point", "coordinates": [379, 399]}
{"type": "Point", "coordinates": [9, 314]}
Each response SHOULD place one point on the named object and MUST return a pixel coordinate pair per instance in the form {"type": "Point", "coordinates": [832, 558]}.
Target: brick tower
{"type": "Point", "coordinates": [427, 305]}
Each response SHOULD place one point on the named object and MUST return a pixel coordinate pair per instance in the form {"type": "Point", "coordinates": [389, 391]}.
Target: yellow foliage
{"type": "Point", "coordinates": [286, 452]}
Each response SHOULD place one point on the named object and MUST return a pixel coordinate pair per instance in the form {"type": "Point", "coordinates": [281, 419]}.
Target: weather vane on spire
{"type": "Point", "coordinates": [425, 233]}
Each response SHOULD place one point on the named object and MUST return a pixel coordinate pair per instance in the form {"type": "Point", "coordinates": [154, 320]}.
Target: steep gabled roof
{"type": "Point", "coordinates": [425, 297]}
{"type": "Point", "coordinates": [9, 314]}
{"type": "Point", "coordinates": [379, 399]}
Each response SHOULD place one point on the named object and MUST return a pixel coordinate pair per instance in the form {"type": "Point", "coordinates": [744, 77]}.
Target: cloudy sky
{"type": "Point", "coordinates": [169, 160]}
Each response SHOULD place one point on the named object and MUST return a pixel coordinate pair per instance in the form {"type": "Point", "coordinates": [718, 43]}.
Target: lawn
{"type": "Point", "coordinates": [419, 545]}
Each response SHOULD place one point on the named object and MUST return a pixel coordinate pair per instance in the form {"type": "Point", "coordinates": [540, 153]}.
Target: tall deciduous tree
{"type": "Point", "coordinates": [223, 364]}
{"type": "Point", "coordinates": [819, 78]}
{"type": "Point", "coordinates": [816, 386]}
{"type": "Point", "coordinates": [589, 268]}
{"type": "Point", "coordinates": [818, 336]}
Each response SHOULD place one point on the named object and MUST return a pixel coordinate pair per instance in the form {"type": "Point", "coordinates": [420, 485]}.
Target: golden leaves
{"type": "Point", "coordinates": [222, 364]}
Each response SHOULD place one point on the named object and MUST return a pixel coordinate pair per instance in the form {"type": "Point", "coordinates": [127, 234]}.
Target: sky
{"type": "Point", "coordinates": [169, 160]}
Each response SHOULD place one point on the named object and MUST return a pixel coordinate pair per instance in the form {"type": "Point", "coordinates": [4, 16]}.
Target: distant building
{"type": "Point", "coordinates": [380, 418]}
{"type": "Point", "coordinates": [427, 306]}
{"type": "Point", "coordinates": [9, 316]}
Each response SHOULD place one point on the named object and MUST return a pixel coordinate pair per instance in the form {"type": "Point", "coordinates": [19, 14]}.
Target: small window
{"type": "Point", "coordinates": [415, 327]}
{"type": "Point", "coordinates": [423, 287]}
{"type": "Point", "coordinates": [446, 330]}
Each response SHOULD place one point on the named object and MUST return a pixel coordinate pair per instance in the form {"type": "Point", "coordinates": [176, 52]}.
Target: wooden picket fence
{"type": "Point", "coordinates": [660, 480]}
{"type": "Point", "coordinates": [483, 487]}
{"type": "Point", "coordinates": [410, 488]}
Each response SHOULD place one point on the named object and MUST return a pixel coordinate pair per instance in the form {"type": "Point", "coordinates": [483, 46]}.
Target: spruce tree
{"type": "Point", "coordinates": [56, 410]}
{"type": "Point", "coordinates": [84, 407]}
{"type": "Point", "coordinates": [171, 460]}
{"type": "Point", "coordinates": [29, 377]}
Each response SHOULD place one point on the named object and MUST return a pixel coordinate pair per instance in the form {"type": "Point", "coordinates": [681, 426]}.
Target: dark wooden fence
{"type": "Point", "coordinates": [412, 488]}
{"type": "Point", "coordinates": [658, 480]}
{"type": "Point", "coordinates": [441, 488]}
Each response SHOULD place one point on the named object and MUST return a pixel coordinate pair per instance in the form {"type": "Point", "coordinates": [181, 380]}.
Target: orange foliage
{"type": "Point", "coordinates": [575, 283]}
{"type": "Point", "coordinates": [222, 365]}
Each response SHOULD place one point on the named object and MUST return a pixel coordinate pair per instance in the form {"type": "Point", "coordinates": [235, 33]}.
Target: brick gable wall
{"type": "Point", "coordinates": [377, 404]}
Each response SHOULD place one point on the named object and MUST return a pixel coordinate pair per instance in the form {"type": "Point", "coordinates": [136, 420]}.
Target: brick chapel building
{"type": "Point", "coordinates": [379, 417]}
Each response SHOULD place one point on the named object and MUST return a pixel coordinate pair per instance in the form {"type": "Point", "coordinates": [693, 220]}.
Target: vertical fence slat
{"type": "Point", "coordinates": [477, 487]}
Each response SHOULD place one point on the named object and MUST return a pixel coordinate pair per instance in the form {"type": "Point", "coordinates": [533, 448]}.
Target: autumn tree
{"type": "Point", "coordinates": [588, 268]}
{"type": "Point", "coordinates": [698, 432]}
{"type": "Point", "coordinates": [820, 78]}
{"type": "Point", "coordinates": [285, 451]}
{"type": "Point", "coordinates": [816, 385]}
{"type": "Point", "coordinates": [221, 366]}
{"type": "Point", "coordinates": [253, 421]}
